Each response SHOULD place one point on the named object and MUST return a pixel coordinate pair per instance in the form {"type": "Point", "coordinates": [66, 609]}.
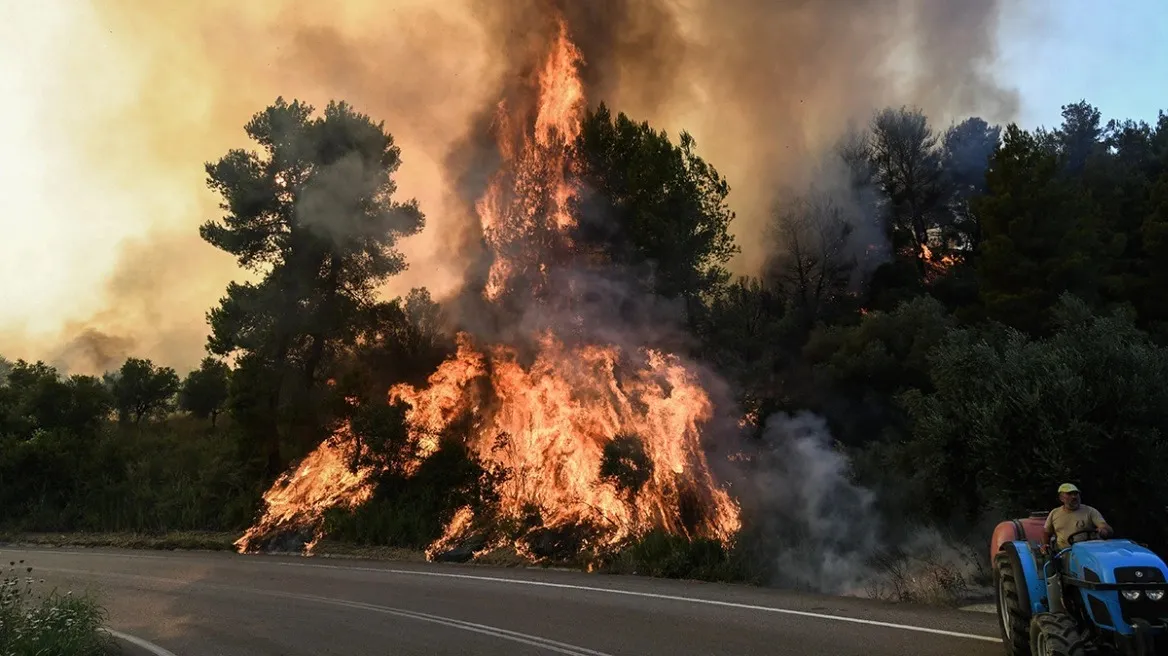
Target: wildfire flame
{"type": "Point", "coordinates": [560, 412]}
{"type": "Point", "coordinates": [936, 267]}
{"type": "Point", "coordinates": [298, 498]}
{"type": "Point", "coordinates": [547, 419]}
{"type": "Point", "coordinates": [531, 188]}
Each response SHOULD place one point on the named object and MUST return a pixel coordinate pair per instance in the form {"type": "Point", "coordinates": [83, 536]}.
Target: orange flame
{"type": "Point", "coordinates": [298, 499]}
{"type": "Point", "coordinates": [532, 186]}
{"type": "Point", "coordinates": [546, 424]}
{"type": "Point", "coordinates": [936, 267]}
{"type": "Point", "coordinates": [560, 412]}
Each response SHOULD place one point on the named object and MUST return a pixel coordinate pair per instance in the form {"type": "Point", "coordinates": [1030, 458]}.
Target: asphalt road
{"type": "Point", "coordinates": [227, 605]}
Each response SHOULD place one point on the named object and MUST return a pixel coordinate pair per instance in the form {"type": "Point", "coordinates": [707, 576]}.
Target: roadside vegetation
{"type": "Point", "coordinates": [37, 623]}
{"type": "Point", "coordinates": [978, 312]}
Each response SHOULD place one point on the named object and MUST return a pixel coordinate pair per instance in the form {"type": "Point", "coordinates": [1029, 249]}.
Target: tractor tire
{"type": "Point", "coordinates": [1013, 612]}
{"type": "Point", "coordinates": [1057, 634]}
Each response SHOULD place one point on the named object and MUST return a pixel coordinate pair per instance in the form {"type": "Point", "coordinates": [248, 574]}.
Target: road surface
{"type": "Point", "coordinates": [227, 605]}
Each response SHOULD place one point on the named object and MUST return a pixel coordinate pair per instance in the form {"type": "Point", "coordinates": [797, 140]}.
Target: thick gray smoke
{"type": "Point", "coordinates": [825, 531]}
{"type": "Point", "coordinates": [766, 86]}
{"type": "Point", "coordinates": [762, 84]}
{"type": "Point", "coordinates": [93, 350]}
{"type": "Point", "coordinates": [823, 526]}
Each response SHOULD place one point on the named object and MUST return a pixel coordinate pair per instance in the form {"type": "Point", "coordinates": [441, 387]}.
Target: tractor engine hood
{"type": "Point", "coordinates": [1115, 561]}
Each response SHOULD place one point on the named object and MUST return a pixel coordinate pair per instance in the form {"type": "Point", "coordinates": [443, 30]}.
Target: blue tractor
{"type": "Point", "coordinates": [1095, 597]}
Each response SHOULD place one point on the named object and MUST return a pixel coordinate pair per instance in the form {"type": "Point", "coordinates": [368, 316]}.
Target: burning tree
{"type": "Point", "coordinates": [549, 406]}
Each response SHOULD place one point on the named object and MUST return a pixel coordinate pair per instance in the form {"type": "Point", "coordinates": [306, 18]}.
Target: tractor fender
{"type": "Point", "coordinates": [1029, 529]}
{"type": "Point", "coordinates": [1032, 591]}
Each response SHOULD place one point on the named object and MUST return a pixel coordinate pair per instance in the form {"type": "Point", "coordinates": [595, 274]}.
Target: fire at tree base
{"type": "Point", "coordinates": [582, 453]}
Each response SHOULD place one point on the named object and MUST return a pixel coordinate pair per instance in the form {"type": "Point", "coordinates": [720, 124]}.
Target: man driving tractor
{"type": "Point", "coordinates": [1070, 518]}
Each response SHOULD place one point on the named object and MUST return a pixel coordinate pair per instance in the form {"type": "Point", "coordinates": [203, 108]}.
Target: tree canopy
{"type": "Point", "coordinates": [314, 211]}
{"type": "Point", "coordinates": [650, 204]}
{"type": "Point", "coordinates": [974, 312]}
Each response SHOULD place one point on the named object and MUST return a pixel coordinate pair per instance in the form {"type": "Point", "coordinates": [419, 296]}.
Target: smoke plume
{"type": "Point", "coordinates": [139, 94]}
{"type": "Point", "coordinates": [825, 531]}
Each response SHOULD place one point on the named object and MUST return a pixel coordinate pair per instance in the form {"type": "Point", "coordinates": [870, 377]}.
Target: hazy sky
{"type": "Point", "coordinates": [1115, 55]}
{"type": "Point", "coordinates": [71, 209]}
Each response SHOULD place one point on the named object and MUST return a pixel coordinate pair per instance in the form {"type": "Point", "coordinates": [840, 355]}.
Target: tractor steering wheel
{"type": "Point", "coordinates": [1088, 531]}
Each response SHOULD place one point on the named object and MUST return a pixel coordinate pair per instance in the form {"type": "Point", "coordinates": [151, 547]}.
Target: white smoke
{"type": "Point", "coordinates": [825, 531]}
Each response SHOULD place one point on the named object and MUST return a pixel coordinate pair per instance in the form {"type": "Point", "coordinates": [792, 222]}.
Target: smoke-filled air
{"type": "Point", "coordinates": [759, 84]}
{"type": "Point", "coordinates": [743, 290]}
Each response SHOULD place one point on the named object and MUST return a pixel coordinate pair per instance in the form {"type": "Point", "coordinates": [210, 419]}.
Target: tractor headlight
{"type": "Point", "coordinates": [1155, 595]}
{"type": "Point", "coordinates": [1132, 595]}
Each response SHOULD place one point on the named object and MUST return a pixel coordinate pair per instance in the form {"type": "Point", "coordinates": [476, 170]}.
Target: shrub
{"type": "Point", "coordinates": [47, 625]}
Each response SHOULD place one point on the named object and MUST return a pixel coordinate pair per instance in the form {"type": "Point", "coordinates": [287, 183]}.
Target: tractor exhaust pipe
{"type": "Point", "coordinates": [1054, 593]}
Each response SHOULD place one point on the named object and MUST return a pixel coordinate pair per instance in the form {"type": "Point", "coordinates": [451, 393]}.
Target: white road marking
{"type": "Point", "coordinates": [589, 588]}
{"type": "Point", "coordinates": [654, 595]}
{"type": "Point", "coordinates": [505, 634]}
{"type": "Point", "coordinates": [148, 646]}
{"type": "Point", "coordinates": [483, 629]}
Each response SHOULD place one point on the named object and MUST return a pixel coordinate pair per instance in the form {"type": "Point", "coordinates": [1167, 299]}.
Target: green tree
{"type": "Point", "coordinates": [1012, 416]}
{"type": "Point", "coordinates": [1127, 178]}
{"type": "Point", "coordinates": [90, 404]}
{"type": "Point", "coordinates": [747, 335]}
{"type": "Point", "coordinates": [859, 370]}
{"type": "Point", "coordinates": [1080, 136]}
{"type": "Point", "coordinates": [315, 213]}
{"type": "Point", "coordinates": [140, 389]}
{"type": "Point", "coordinates": [966, 151]}
{"type": "Point", "coordinates": [1039, 235]}
{"type": "Point", "coordinates": [1151, 291]}
{"type": "Point", "coordinates": [205, 390]}
{"type": "Point", "coordinates": [34, 397]}
{"type": "Point", "coordinates": [652, 205]}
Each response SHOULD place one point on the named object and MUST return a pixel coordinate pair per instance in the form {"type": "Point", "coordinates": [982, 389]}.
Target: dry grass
{"type": "Point", "coordinates": [505, 556]}
{"type": "Point", "coordinates": [950, 577]}
{"type": "Point", "coordinates": [186, 540]}
{"type": "Point", "coordinates": [332, 549]}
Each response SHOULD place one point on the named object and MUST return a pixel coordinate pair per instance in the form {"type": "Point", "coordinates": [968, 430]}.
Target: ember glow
{"type": "Point", "coordinates": [544, 409]}
{"type": "Point", "coordinates": [936, 266]}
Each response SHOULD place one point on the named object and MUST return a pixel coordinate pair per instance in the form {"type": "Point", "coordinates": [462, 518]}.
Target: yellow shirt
{"type": "Point", "coordinates": [1065, 523]}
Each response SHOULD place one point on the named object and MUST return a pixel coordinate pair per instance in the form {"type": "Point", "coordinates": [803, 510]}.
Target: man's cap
{"type": "Point", "coordinates": [1068, 487]}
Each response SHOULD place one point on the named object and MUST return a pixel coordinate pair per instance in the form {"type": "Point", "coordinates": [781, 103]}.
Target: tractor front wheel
{"type": "Point", "coordinates": [1013, 615]}
{"type": "Point", "coordinates": [1056, 634]}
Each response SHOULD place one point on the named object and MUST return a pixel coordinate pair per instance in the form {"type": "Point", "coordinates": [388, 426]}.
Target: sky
{"type": "Point", "coordinates": [1114, 55]}
{"type": "Point", "coordinates": [76, 233]}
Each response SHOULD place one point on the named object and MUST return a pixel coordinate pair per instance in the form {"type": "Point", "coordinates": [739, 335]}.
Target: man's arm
{"type": "Point", "coordinates": [1048, 530]}
{"type": "Point", "coordinates": [1105, 530]}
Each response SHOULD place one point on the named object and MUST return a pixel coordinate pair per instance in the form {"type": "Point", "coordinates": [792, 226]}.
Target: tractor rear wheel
{"type": "Point", "coordinates": [1056, 634]}
{"type": "Point", "coordinates": [1013, 615]}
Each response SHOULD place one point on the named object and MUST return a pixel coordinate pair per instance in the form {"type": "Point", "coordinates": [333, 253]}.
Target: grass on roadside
{"type": "Point", "coordinates": [50, 624]}
{"type": "Point", "coordinates": [337, 549]}
{"type": "Point", "coordinates": [191, 540]}
{"type": "Point", "coordinates": [950, 576]}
